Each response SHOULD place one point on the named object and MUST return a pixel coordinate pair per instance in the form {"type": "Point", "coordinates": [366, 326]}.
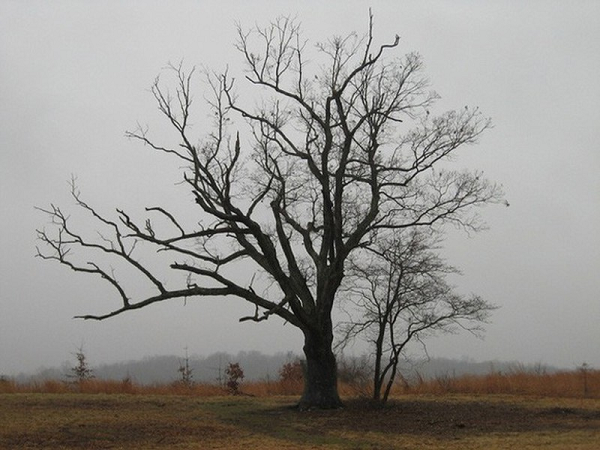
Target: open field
{"type": "Point", "coordinates": [514, 410]}
{"type": "Point", "coordinates": [119, 421]}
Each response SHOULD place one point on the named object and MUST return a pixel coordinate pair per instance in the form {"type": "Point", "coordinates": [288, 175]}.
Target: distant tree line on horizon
{"type": "Point", "coordinates": [258, 366]}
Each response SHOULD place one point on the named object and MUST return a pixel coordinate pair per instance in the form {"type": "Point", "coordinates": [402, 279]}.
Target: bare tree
{"type": "Point", "coordinates": [186, 372]}
{"type": "Point", "coordinates": [400, 295]}
{"type": "Point", "coordinates": [81, 372]}
{"type": "Point", "coordinates": [338, 152]}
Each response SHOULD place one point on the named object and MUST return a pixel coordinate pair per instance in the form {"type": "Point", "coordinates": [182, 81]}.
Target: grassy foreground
{"type": "Point", "coordinates": [452, 421]}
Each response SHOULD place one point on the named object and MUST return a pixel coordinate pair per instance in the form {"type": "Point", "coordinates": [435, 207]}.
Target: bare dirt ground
{"type": "Point", "coordinates": [97, 421]}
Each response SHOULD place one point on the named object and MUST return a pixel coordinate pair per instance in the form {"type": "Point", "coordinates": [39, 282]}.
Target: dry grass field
{"type": "Point", "coordinates": [120, 415]}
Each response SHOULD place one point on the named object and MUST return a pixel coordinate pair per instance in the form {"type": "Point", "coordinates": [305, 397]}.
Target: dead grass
{"type": "Point", "coordinates": [115, 421]}
{"type": "Point", "coordinates": [512, 410]}
{"type": "Point", "coordinates": [94, 386]}
{"type": "Point", "coordinates": [515, 382]}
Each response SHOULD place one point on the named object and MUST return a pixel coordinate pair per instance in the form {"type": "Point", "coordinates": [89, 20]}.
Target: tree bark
{"type": "Point", "coordinates": [320, 377]}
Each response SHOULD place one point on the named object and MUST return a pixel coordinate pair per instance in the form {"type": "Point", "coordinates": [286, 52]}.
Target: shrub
{"type": "Point", "coordinates": [292, 372]}
{"type": "Point", "coordinates": [235, 375]}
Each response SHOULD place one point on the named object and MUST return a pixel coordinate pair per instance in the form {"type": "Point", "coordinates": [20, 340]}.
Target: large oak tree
{"type": "Point", "coordinates": [335, 151]}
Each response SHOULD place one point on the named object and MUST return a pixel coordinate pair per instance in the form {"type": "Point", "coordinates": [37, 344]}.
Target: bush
{"type": "Point", "coordinates": [292, 372]}
{"type": "Point", "coordinates": [235, 375]}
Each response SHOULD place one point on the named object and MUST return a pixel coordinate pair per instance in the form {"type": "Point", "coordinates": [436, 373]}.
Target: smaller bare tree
{"type": "Point", "coordinates": [401, 292]}
{"type": "Point", "coordinates": [584, 370]}
{"type": "Point", "coordinates": [81, 372]}
{"type": "Point", "coordinates": [185, 371]}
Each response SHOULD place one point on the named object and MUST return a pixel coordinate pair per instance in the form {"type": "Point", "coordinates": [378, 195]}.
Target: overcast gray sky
{"type": "Point", "coordinates": [74, 75]}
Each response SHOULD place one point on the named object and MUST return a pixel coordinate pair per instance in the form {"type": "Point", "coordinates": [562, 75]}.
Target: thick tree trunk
{"type": "Point", "coordinates": [320, 377]}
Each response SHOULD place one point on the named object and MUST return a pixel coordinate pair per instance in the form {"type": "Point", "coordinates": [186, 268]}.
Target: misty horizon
{"type": "Point", "coordinates": [160, 369]}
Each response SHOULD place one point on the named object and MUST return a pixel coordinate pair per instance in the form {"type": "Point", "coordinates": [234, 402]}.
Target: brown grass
{"type": "Point", "coordinates": [95, 386]}
{"type": "Point", "coordinates": [516, 382]}
{"type": "Point", "coordinates": [451, 422]}
{"type": "Point", "coordinates": [514, 410]}
{"type": "Point", "coordinates": [574, 384]}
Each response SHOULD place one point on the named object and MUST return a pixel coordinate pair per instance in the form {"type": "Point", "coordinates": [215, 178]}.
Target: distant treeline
{"type": "Point", "coordinates": [261, 367]}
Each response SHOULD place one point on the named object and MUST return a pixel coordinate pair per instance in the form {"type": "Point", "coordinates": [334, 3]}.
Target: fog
{"type": "Point", "coordinates": [74, 76]}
